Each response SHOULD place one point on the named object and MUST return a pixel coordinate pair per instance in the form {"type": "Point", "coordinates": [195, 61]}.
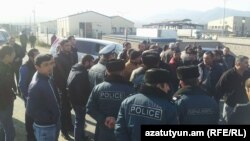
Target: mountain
{"type": "Point", "coordinates": [196, 16]}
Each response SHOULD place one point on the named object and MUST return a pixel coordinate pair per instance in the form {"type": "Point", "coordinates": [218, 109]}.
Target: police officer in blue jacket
{"type": "Point", "coordinates": [105, 100]}
{"type": "Point", "coordinates": [97, 72]}
{"type": "Point", "coordinates": [152, 105]}
{"type": "Point", "coordinates": [194, 105]}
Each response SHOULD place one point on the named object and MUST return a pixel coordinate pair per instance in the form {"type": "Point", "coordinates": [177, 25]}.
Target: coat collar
{"type": "Point", "coordinates": [154, 92]}
{"type": "Point", "coordinates": [117, 79]}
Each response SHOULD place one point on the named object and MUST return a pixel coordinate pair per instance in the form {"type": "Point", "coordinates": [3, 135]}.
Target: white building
{"type": "Point", "coordinates": [49, 27]}
{"type": "Point", "coordinates": [239, 26]}
{"type": "Point", "coordinates": [120, 25]}
{"type": "Point", "coordinates": [90, 24]}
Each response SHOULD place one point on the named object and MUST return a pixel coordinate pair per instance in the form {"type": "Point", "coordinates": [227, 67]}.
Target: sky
{"type": "Point", "coordinates": [13, 11]}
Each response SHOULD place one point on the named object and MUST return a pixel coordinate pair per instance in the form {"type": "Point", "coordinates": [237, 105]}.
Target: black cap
{"type": "Point", "coordinates": [150, 58]}
{"type": "Point", "coordinates": [150, 54]}
{"type": "Point", "coordinates": [187, 72]}
{"type": "Point", "coordinates": [115, 65]}
{"type": "Point", "coordinates": [156, 76]}
{"type": "Point", "coordinates": [134, 54]}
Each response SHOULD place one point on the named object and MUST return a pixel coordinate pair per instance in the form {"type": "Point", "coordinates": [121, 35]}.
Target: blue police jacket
{"type": "Point", "coordinates": [196, 107]}
{"type": "Point", "coordinates": [105, 101]}
{"type": "Point", "coordinates": [150, 106]}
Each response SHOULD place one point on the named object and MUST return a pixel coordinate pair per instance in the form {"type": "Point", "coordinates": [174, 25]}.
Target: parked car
{"type": "Point", "coordinates": [4, 36]}
{"type": "Point", "coordinates": [87, 46]}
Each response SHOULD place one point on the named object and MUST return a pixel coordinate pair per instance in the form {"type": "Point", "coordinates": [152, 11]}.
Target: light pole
{"type": "Point", "coordinates": [223, 24]}
{"type": "Point", "coordinates": [243, 26]}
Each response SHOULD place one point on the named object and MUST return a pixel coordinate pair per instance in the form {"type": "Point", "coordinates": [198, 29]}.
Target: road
{"type": "Point", "coordinates": [19, 112]}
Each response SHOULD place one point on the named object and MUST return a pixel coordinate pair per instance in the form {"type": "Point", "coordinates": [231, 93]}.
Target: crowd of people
{"type": "Point", "coordinates": [144, 85]}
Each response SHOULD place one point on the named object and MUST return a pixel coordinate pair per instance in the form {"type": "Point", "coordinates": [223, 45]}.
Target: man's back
{"type": "Point", "coordinates": [196, 107]}
{"type": "Point", "coordinates": [151, 107]}
{"type": "Point", "coordinates": [241, 114]}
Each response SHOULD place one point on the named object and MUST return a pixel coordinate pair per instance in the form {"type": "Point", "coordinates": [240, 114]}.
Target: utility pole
{"type": "Point", "coordinates": [224, 11]}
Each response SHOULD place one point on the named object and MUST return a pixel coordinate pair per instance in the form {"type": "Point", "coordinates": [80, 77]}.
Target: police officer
{"type": "Point", "coordinates": [194, 105]}
{"type": "Point", "coordinates": [105, 100]}
{"type": "Point", "coordinates": [97, 72]}
{"type": "Point", "coordinates": [150, 59]}
{"type": "Point", "coordinates": [153, 105]}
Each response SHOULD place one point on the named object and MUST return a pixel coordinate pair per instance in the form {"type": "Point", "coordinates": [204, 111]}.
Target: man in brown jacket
{"type": "Point", "coordinates": [132, 64]}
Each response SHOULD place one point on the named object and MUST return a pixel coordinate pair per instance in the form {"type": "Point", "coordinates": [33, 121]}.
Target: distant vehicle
{"type": "Point", "coordinates": [189, 33]}
{"type": "Point", "coordinates": [4, 36]}
{"type": "Point", "coordinates": [86, 46]}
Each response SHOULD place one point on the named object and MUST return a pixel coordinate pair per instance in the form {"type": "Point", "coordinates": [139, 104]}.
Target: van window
{"type": "Point", "coordinates": [2, 37]}
{"type": "Point", "coordinates": [86, 47]}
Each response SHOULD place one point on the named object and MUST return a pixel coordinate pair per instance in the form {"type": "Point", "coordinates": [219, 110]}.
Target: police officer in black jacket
{"type": "Point", "coordinates": [79, 91]}
{"type": "Point", "coordinates": [106, 98]}
{"type": "Point", "coordinates": [194, 105]}
{"type": "Point", "coordinates": [152, 105]}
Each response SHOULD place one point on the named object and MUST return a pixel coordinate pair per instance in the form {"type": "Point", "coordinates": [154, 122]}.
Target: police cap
{"type": "Point", "coordinates": [115, 65]}
{"type": "Point", "coordinates": [187, 72]}
{"type": "Point", "coordinates": [156, 76]}
{"type": "Point", "coordinates": [108, 49]}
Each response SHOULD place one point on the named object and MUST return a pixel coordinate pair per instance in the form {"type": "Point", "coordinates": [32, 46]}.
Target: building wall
{"type": "Point", "coordinates": [119, 25]}
{"type": "Point", "coordinates": [100, 23]}
{"type": "Point", "coordinates": [50, 25]}
{"type": "Point", "coordinates": [233, 24]}
{"type": "Point", "coordinates": [63, 27]}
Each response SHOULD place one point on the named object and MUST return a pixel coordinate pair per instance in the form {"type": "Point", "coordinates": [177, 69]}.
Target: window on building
{"type": "Point", "coordinates": [122, 29]}
{"type": "Point", "coordinates": [114, 29]}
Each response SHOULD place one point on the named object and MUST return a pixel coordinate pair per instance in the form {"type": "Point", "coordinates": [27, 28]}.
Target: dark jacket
{"type": "Point", "coordinates": [32, 39]}
{"type": "Point", "coordinates": [43, 104]}
{"type": "Point", "coordinates": [20, 53]}
{"type": "Point", "coordinates": [64, 62]}
{"type": "Point", "coordinates": [7, 83]}
{"type": "Point", "coordinates": [209, 77]}
{"type": "Point", "coordinates": [231, 86]}
{"type": "Point", "coordinates": [150, 106]}
{"type": "Point", "coordinates": [196, 107]}
{"type": "Point", "coordinates": [240, 115]}
{"type": "Point", "coordinates": [229, 61]}
{"type": "Point", "coordinates": [78, 85]}
{"type": "Point", "coordinates": [26, 72]}
{"type": "Point", "coordinates": [137, 77]}
{"type": "Point", "coordinates": [105, 101]}
{"type": "Point", "coordinates": [75, 55]}
{"type": "Point", "coordinates": [97, 74]}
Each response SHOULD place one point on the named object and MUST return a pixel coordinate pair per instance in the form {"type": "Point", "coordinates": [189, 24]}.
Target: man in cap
{"type": "Point", "coordinates": [231, 86]}
{"type": "Point", "coordinates": [97, 72]}
{"type": "Point", "coordinates": [152, 105]}
{"type": "Point", "coordinates": [194, 105]}
{"type": "Point", "coordinates": [106, 98]}
{"type": "Point", "coordinates": [150, 59]}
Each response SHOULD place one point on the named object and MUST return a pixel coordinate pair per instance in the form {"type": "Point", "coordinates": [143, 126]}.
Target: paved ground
{"type": "Point", "coordinates": [19, 111]}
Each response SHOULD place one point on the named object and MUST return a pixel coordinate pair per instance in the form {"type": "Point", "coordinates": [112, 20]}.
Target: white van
{"type": "Point", "coordinates": [87, 46]}
{"type": "Point", "coordinates": [4, 36]}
